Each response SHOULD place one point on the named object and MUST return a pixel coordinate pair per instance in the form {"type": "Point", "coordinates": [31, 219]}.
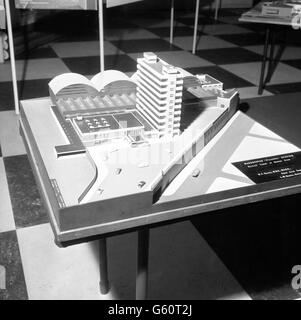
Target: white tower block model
{"type": "Point", "coordinates": [159, 94]}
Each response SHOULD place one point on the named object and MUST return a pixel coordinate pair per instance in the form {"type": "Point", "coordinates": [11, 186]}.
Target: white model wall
{"type": "Point", "coordinates": [156, 98]}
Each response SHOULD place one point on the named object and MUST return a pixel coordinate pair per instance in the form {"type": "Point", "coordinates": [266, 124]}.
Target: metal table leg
{"type": "Point", "coordinates": [275, 58]}
{"type": "Point", "coordinates": [217, 6]}
{"type": "Point", "coordinates": [142, 264]}
{"type": "Point", "coordinates": [12, 55]}
{"type": "Point", "coordinates": [265, 51]}
{"type": "Point", "coordinates": [101, 36]}
{"type": "Point", "coordinates": [196, 23]}
{"type": "Point", "coordinates": [103, 266]}
{"type": "Point", "coordinates": [172, 19]}
{"type": "Point", "coordinates": [273, 61]}
{"type": "Point", "coordinates": [271, 55]}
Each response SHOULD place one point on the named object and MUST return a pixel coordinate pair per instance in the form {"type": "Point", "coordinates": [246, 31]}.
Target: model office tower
{"type": "Point", "coordinates": [159, 94]}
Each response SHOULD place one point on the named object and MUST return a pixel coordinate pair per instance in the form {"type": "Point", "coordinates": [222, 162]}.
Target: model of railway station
{"type": "Point", "coordinates": [148, 126]}
{"type": "Point", "coordinates": [146, 106]}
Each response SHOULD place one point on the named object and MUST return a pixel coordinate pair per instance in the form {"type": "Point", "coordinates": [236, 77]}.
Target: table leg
{"type": "Point", "coordinates": [217, 6]}
{"type": "Point", "coordinates": [272, 47]}
{"type": "Point", "coordinates": [265, 51]}
{"type": "Point", "coordinates": [142, 264]}
{"type": "Point", "coordinates": [172, 19]}
{"type": "Point", "coordinates": [12, 55]}
{"type": "Point", "coordinates": [272, 60]}
{"type": "Point", "coordinates": [103, 266]}
{"type": "Point", "coordinates": [196, 23]}
{"type": "Point", "coordinates": [101, 36]}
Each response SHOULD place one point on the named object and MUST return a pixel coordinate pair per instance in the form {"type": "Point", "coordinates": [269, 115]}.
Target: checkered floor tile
{"type": "Point", "coordinates": [36, 269]}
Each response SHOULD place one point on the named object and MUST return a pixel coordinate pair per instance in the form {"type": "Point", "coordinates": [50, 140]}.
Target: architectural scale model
{"type": "Point", "coordinates": [138, 132]}
{"type": "Point", "coordinates": [280, 9]}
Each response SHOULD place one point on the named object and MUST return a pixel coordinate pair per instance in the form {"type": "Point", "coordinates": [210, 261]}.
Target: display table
{"type": "Point", "coordinates": [254, 16]}
{"type": "Point", "coordinates": [219, 185]}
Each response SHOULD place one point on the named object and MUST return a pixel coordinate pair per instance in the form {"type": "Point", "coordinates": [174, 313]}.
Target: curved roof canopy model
{"type": "Point", "coordinates": [74, 84]}
{"type": "Point", "coordinates": [102, 79]}
{"type": "Point", "coordinates": [67, 79]}
{"type": "Point", "coordinates": [112, 82]}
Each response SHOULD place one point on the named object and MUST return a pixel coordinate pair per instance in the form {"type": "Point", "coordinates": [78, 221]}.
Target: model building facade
{"type": "Point", "coordinates": [159, 94]}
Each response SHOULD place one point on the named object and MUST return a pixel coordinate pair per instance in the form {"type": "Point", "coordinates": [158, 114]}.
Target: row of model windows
{"type": "Point", "coordinates": [154, 73]}
{"type": "Point", "coordinates": [161, 83]}
{"type": "Point", "coordinates": [159, 113]}
{"type": "Point", "coordinates": [157, 88]}
{"type": "Point", "coordinates": [157, 122]}
{"type": "Point", "coordinates": [162, 104]}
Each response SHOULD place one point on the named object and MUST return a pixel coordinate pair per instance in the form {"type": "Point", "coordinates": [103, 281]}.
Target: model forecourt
{"type": "Point", "coordinates": [159, 106]}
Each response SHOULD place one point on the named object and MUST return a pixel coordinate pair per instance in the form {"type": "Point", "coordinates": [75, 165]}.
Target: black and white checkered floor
{"type": "Point", "coordinates": [182, 264]}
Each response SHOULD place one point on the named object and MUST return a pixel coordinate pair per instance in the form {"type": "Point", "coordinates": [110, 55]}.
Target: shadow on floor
{"type": "Point", "coordinates": [258, 243]}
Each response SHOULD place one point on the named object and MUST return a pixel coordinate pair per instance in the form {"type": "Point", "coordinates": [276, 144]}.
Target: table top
{"type": "Point", "coordinates": [220, 184]}
{"type": "Point", "coordinates": [254, 16]}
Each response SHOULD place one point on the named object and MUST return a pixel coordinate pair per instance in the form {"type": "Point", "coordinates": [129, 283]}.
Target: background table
{"type": "Point", "coordinates": [254, 16]}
